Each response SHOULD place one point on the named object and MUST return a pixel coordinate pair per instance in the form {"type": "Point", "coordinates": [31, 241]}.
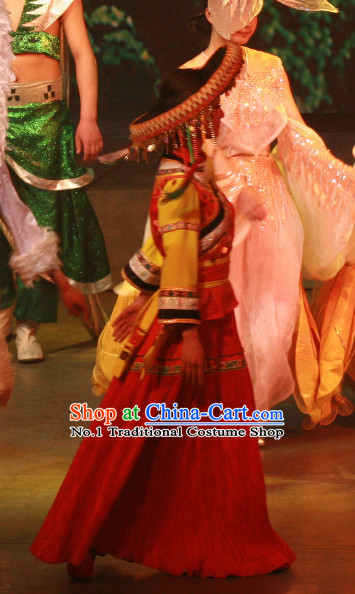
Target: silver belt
{"type": "Point", "coordinates": [43, 92]}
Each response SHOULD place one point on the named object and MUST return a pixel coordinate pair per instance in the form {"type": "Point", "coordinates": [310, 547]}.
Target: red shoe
{"type": "Point", "coordinates": [85, 571]}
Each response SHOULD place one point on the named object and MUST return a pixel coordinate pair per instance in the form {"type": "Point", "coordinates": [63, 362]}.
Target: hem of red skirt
{"type": "Point", "coordinates": [263, 568]}
{"type": "Point", "coordinates": [247, 571]}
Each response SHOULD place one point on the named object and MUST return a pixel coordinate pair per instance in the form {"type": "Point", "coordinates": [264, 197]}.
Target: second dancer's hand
{"type": "Point", "coordinates": [192, 357]}
{"type": "Point", "coordinates": [124, 323]}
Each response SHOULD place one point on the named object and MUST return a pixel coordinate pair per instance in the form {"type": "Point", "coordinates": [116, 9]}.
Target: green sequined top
{"type": "Point", "coordinates": [27, 40]}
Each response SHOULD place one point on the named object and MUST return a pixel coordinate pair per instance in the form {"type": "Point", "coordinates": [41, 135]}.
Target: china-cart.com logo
{"type": "Point", "coordinates": [163, 421]}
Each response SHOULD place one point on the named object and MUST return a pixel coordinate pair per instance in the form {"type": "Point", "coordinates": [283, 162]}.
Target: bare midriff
{"type": "Point", "coordinates": [29, 68]}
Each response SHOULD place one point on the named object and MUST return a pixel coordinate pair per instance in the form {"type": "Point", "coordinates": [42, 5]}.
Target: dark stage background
{"type": "Point", "coordinates": [136, 42]}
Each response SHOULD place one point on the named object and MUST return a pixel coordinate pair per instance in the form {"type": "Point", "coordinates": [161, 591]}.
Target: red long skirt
{"type": "Point", "coordinates": [177, 504]}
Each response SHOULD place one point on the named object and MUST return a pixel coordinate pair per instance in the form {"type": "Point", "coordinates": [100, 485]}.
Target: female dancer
{"type": "Point", "coordinates": [41, 154]}
{"type": "Point", "coordinates": [308, 230]}
{"type": "Point", "coordinates": [309, 223]}
{"type": "Point", "coordinates": [36, 248]}
{"type": "Point", "coordinates": [178, 504]}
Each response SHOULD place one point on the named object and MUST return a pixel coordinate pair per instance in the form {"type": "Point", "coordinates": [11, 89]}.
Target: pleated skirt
{"type": "Point", "coordinates": [182, 505]}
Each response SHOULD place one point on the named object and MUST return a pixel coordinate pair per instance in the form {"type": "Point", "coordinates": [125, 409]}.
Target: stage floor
{"type": "Point", "coordinates": [310, 486]}
{"type": "Point", "coordinates": [310, 476]}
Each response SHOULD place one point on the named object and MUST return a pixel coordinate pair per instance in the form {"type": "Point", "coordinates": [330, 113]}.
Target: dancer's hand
{"type": "Point", "coordinates": [72, 298]}
{"type": "Point", "coordinates": [88, 139]}
{"type": "Point", "coordinates": [251, 205]}
{"type": "Point", "coordinates": [75, 302]}
{"type": "Point", "coordinates": [123, 324]}
{"type": "Point", "coordinates": [192, 357]}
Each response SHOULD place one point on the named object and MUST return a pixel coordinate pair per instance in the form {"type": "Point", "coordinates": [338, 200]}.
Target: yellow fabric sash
{"type": "Point", "coordinates": [324, 351]}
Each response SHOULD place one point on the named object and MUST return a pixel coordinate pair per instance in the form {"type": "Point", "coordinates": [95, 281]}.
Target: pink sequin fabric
{"type": "Point", "coordinates": [254, 113]}
{"type": "Point", "coordinates": [266, 264]}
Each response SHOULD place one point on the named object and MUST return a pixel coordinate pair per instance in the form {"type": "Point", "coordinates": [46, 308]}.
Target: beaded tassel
{"type": "Point", "coordinates": [184, 152]}
{"type": "Point", "coordinates": [189, 143]}
{"type": "Point", "coordinates": [204, 125]}
{"type": "Point", "coordinates": [176, 140]}
{"type": "Point", "coordinates": [166, 142]}
{"type": "Point", "coordinates": [211, 126]}
{"type": "Point", "coordinates": [194, 136]}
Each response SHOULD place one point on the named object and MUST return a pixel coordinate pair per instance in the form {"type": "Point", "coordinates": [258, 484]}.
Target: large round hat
{"type": "Point", "coordinates": [177, 108]}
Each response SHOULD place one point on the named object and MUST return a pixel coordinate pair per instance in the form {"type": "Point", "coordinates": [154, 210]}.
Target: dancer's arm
{"type": "Point", "coordinates": [143, 273]}
{"type": "Point", "coordinates": [179, 222]}
{"type": "Point", "coordinates": [88, 136]}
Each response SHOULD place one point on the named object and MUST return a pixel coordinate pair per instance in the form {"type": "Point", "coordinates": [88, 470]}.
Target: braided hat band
{"type": "Point", "coordinates": [194, 105]}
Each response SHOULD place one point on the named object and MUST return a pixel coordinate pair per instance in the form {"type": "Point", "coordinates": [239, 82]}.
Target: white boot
{"type": "Point", "coordinates": [28, 348]}
{"type": "Point", "coordinates": [5, 322]}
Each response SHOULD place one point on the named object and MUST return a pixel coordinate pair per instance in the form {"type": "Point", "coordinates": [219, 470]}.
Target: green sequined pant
{"type": "Point", "coordinates": [41, 142]}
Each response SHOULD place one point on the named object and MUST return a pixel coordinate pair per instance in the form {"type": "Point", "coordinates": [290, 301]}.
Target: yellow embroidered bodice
{"type": "Point", "coordinates": [187, 257]}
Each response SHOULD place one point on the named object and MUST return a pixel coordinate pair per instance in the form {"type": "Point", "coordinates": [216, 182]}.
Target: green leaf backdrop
{"type": "Point", "coordinates": [135, 42]}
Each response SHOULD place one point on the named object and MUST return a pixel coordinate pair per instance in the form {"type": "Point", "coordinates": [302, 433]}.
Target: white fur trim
{"type": "Point", "coordinates": [41, 258]}
{"type": "Point", "coordinates": [6, 74]}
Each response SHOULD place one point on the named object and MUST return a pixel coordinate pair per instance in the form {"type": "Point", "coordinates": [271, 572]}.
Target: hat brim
{"type": "Point", "coordinates": [190, 107]}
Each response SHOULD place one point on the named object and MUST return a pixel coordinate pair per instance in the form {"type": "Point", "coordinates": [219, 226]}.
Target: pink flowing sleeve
{"type": "Point", "coordinates": [323, 189]}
